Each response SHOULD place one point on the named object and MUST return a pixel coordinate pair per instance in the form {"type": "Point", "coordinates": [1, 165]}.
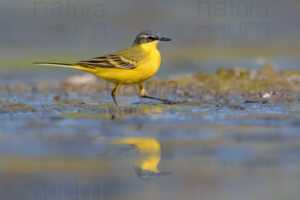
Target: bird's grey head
{"type": "Point", "coordinates": [148, 36]}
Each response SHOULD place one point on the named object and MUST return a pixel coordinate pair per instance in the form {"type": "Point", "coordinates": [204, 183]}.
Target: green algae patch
{"type": "Point", "coordinates": [270, 116]}
{"type": "Point", "coordinates": [2, 103]}
{"type": "Point", "coordinates": [71, 101]}
{"type": "Point", "coordinates": [86, 116]}
{"type": "Point", "coordinates": [245, 81]}
{"type": "Point", "coordinates": [17, 107]}
{"type": "Point", "coordinates": [110, 111]}
{"type": "Point", "coordinates": [53, 164]}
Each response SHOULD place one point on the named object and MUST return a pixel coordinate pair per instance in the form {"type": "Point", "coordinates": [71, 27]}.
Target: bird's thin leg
{"type": "Point", "coordinates": [113, 93]}
{"type": "Point", "coordinates": [144, 95]}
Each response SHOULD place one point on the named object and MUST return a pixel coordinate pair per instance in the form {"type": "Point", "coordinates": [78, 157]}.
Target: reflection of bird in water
{"type": "Point", "coordinates": [146, 165]}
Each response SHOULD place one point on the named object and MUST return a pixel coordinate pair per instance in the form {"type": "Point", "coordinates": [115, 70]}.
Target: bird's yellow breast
{"type": "Point", "coordinates": [150, 65]}
{"type": "Point", "coordinates": [146, 67]}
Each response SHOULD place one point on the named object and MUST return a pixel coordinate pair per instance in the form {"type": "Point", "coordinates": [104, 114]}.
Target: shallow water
{"type": "Point", "coordinates": [80, 146]}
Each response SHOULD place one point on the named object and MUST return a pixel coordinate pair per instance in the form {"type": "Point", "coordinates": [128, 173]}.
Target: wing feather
{"type": "Point", "coordinates": [110, 61]}
{"type": "Point", "coordinates": [124, 59]}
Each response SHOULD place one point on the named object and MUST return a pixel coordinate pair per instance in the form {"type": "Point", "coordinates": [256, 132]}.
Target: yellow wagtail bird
{"type": "Point", "coordinates": [130, 66]}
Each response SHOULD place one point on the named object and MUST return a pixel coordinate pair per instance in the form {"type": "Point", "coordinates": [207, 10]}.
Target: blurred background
{"type": "Point", "coordinates": [206, 34]}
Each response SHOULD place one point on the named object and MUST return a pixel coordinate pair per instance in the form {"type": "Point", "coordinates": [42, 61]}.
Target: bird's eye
{"type": "Point", "coordinates": [153, 38]}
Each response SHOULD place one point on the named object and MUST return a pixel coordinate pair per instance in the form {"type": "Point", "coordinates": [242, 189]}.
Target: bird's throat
{"type": "Point", "coordinates": [150, 46]}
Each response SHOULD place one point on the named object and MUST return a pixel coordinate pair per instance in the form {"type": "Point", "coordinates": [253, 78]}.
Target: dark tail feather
{"type": "Point", "coordinates": [54, 64]}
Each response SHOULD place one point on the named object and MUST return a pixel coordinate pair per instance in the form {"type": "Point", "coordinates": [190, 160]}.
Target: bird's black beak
{"type": "Point", "coordinates": [164, 39]}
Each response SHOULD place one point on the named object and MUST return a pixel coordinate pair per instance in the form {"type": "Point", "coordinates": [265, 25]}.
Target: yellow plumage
{"type": "Point", "coordinates": [146, 61]}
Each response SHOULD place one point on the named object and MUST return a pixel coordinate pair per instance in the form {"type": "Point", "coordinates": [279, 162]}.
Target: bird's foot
{"type": "Point", "coordinates": [165, 101]}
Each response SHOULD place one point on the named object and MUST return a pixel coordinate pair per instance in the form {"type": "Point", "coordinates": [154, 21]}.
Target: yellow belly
{"type": "Point", "coordinates": [144, 71]}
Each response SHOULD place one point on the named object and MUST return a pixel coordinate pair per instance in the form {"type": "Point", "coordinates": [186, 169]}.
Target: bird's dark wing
{"type": "Point", "coordinates": [109, 61]}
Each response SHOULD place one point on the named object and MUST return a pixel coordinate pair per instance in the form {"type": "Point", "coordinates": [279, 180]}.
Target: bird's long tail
{"type": "Point", "coordinates": [54, 64]}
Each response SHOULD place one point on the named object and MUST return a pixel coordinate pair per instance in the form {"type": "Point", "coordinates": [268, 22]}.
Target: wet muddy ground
{"type": "Point", "coordinates": [236, 136]}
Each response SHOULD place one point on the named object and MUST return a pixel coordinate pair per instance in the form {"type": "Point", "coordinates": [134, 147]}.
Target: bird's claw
{"type": "Point", "coordinates": [173, 102]}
